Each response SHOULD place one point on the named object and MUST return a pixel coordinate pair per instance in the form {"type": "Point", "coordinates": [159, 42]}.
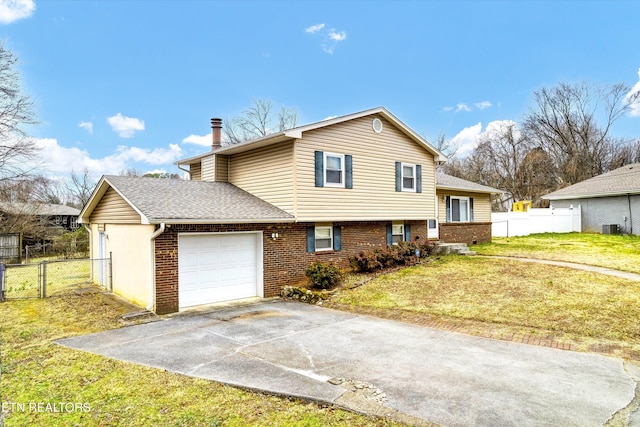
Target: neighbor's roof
{"type": "Point", "coordinates": [618, 182]}
{"type": "Point", "coordinates": [44, 209]}
{"type": "Point", "coordinates": [296, 133]}
{"type": "Point", "coordinates": [448, 182]}
{"type": "Point", "coordinates": [176, 201]}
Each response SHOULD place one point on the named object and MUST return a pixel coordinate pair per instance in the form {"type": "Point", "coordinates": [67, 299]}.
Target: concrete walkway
{"type": "Point", "coordinates": [383, 367]}
{"type": "Point", "coordinates": [576, 266]}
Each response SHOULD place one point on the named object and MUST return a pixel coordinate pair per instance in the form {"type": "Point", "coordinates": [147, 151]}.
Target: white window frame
{"type": "Point", "coordinates": [315, 236]}
{"type": "Point", "coordinates": [341, 184]}
{"type": "Point", "coordinates": [468, 207]}
{"type": "Point", "coordinates": [394, 225]}
{"type": "Point", "coordinates": [415, 178]}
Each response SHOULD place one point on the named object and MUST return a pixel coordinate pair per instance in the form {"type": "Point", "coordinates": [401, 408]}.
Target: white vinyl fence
{"type": "Point", "coordinates": [550, 220]}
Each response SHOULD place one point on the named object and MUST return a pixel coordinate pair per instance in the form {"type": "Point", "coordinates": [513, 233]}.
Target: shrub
{"type": "Point", "coordinates": [404, 253]}
{"type": "Point", "coordinates": [323, 275]}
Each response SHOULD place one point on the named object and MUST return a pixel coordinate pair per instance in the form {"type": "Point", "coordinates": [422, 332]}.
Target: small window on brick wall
{"type": "Point", "coordinates": [324, 238]}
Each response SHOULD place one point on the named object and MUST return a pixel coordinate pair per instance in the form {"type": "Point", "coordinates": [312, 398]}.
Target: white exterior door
{"type": "Point", "coordinates": [217, 267]}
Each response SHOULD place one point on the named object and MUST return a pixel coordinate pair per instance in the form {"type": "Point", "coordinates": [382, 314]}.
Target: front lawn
{"type": "Point", "coordinates": [507, 296]}
{"type": "Point", "coordinates": [34, 370]}
{"type": "Point", "coordinates": [612, 251]}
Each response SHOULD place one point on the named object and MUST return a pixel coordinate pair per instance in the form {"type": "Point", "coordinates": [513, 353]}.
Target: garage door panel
{"type": "Point", "coordinates": [217, 267]}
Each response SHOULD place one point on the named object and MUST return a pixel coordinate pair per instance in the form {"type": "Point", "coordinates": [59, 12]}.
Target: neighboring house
{"type": "Point", "coordinates": [609, 199]}
{"type": "Point", "coordinates": [45, 214]}
{"type": "Point", "coordinates": [464, 210]}
{"type": "Point", "coordinates": [254, 215]}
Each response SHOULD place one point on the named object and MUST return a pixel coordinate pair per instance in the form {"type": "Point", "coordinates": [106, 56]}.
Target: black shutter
{"type": "Point", "coordinates": [319, 168]}
{"type": "Point", "coordinates": [337, 238]}
{"type": "Point", "coordinates": [398, 176]}
{"type": "Point", "coordinates": [418, 179]}
{"type": "Point", "coordinates": [407, 233]}
{"type": "Point", "coordinates": [389, 235]}
{"type": "Point", "coordinates": [348, 171]}
{"type": "Point", "coordinates": [311, 239]}
{"type": "Point", "coordinates": [448, 206]}
{"type": "Point", "coordinates": [471, 209]}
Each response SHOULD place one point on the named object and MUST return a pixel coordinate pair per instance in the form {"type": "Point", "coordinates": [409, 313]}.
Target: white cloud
{"type": "Point", "coordinates": [462, 107]}
{"type": "Point", "coordinates": [86, 125]}
{"type": "Point", "coordinates": [447, 108]}
{"type": "Point", "coordinates": [483, 105]}
{"type": "Point", "coordinates": [14, 10]}
{"type": "Point", "coordinates": [333, 35]}
{"type": "Point", "coordinates": [330, 37]}
{"type": "Point", "coordinates": [329, 118]}
{"type": "Point", "coordinates": [124, 126]}
{"type": "Point", "coordinates": [468, 138]}
{"type": "Point", "coordinates": [204, 140]}
{"type": "Point", "coordinates": [314, 28]}
{"type": "Point", "coordinates": [635, 106]}
{"type": "Point", "coordinates": [55, 158]}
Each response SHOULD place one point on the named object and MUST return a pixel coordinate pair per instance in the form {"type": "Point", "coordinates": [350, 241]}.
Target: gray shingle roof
{"type": "Point", "coordinates": [621, 181]}
{"type": "Point", "coordinates": [448, 182]}
{"type": "Point", "coordinates": [177, 200]}
{"type": "Point", "coordinates": [44, 209]}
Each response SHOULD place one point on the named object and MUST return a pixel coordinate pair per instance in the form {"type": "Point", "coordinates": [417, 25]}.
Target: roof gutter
{"type": "Point", "coordinates": [159, 231]}
{"type": "Point", "coordinates": [163, 221]}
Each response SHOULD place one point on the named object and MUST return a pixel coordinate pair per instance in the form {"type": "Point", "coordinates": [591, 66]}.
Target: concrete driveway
{"type": "Point", "coordinates": [378, 366]}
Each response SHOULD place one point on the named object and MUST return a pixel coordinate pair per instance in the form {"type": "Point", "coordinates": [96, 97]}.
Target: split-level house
{"type": "Point", "coordinates": [254, 215]}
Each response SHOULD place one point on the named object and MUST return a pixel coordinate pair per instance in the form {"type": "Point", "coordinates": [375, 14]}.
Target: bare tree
{"type": "Point", "coordinates": [563, 121]}
{"type": "Point", "coordinates": [16, 111]}
{"type": "Point", "coordinates": [80, 188]}
{"type": "Point", "coordinates": [259, 120]}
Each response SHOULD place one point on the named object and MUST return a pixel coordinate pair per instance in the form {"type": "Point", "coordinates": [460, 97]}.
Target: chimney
{"type": "Point", "coordinates": [216, 133]}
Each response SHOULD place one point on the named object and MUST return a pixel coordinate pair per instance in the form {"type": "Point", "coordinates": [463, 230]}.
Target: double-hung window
{"type": "Point", "coordinates": [333, 170]}
{"type": "Point", "coordinates": [324, 238]}
{"type": "Point", "coordinates": [397, 233]}
{"type": "Point", "coordinates": [408, 177]}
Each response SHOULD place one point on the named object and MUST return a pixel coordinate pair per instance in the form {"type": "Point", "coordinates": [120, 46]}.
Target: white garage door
{"type": "Point", "coordinates": [218, 267]}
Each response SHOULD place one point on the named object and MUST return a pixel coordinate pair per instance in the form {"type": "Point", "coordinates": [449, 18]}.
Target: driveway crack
{"type": "Point", "coordinates": [622, 416]}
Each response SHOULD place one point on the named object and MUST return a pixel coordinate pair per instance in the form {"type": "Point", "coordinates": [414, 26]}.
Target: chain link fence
{"type": "Point", "coordinates": [49, 278]}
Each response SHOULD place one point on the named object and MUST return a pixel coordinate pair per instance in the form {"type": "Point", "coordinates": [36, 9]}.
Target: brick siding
{"type": "Point", "coordinates": [285, 258]}
{"type": "Point", "coordinates": [470, 233]}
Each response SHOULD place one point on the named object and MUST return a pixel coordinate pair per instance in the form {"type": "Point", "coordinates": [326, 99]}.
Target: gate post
{"type": "Point", "coordinates": [44, 279]}
{"type": "Point", "coordinates": [2, 269]}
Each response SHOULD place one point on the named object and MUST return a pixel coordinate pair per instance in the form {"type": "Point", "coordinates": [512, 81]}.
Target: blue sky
{"type": "Point", "coordinates": [132, 84]}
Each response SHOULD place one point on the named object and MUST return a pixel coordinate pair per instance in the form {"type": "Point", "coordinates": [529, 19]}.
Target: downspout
{"type": "Point", "coordinates": [630, 219]}
{"type": "Point", "coordinates": [155, 234]}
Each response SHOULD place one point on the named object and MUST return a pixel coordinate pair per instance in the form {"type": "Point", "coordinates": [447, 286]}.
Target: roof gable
{"type": "Point", "coordinates": [297, 133]}
{"type": "Point", "coordinates": [178, 201]}
{"type": "Point", "coordinates": [621, 181]}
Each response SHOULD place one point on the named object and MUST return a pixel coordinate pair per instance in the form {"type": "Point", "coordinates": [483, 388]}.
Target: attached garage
{"type": "Point", "coordinates": [215, 267]}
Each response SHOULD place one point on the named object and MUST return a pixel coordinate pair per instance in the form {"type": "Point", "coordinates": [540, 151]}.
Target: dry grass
{"type": "Point", "coordinates": [617, 252]}
{"type": "Point", "coordinates": [34, 369]}
{"type": "Point", "coordinates": [511, 296]}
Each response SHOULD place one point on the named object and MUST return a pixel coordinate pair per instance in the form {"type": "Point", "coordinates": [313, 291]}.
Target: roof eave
{"type": "Point", "coordinates": [589, 196]}
{"type": "Point", "coordinates": [468, 190]}
{"type": "Point", "coordinates": [176, 221]}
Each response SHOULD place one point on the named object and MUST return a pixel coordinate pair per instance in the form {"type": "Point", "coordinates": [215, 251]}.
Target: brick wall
{"type": "Point", "coordinates": [470, 233]}
{"type": "Point", "coordinates": [285, 258]}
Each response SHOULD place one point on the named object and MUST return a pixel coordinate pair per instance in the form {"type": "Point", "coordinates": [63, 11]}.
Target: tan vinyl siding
{"type": "Point", "coordinates": [222, 168]}
{"type": "Point", "coordinates": [195, 171]}
{"type": "Point", "coordinates": [266, 173]}
{"type": "Point", "coordinates": [208, 168]}
{"type": "Point", "coordinates": [481, 205]}
{"type": "Point", "coordinates": [113, 209]}
{"type": "Point", "coordinates": [373, 196]}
